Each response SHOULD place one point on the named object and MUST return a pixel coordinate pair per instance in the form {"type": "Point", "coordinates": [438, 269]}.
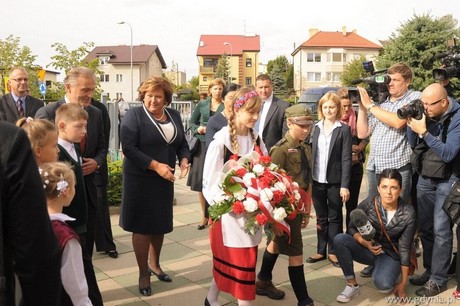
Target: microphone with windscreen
{"type": "Point", "coordinates": [359, 219]}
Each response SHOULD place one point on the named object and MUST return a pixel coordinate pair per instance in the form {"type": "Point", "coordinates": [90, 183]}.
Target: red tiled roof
{"type": "Point", "coordinates": [338, 40]}
{"type": "Point", "coordinates": [214, 44]}
{"type": "Point", "coordinates": [122, 54]}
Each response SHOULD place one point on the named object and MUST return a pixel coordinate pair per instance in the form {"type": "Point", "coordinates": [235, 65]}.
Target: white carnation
{"type": "Point", "coordinates": [266, 195]}
{"type": "Point", "coordinates": [296, 195]}
{"type": "Point", "coordinates": [273, 167]}
{"type": "Point", "coordinates": [279, 214]}
{"type": "Point", "coordinates": [250, 205]}
{"type": "Point", "coordinates": [280, 186]}
{"type": "Point", "coordinates": [240, 195]}
{"type": "Point", "coordinates": [258, 169]}
{"type": "Point", "coordinates": [220, 198]}
{"type": "Point", "coordinates": [247, 178]}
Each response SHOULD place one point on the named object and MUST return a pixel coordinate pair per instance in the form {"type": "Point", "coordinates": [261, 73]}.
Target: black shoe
{"type": "Point", "coordinates": [334, 263]}
{"type": "Point", "coordinates": [367, 271]}
{"type": "Point", "coordinates": [112, 253]}
{"type": "Point", "coordinates": [162, 277]}
{"type": "Point", "coordinates": [313, 259]}
{"type": "Point", "coordinates": [430, 289]}
{"type": "Point", "coordinates": [147, 291]}
{"type": "Point", "coordinates": [206, 302]}
{"type": "Point", "coordinates": [201, 227]}
{"type": "Point", "coordinates": [420, 280]}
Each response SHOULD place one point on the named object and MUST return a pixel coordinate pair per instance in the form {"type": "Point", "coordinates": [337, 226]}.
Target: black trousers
{"type": "Point", "coordinates": [328, 208]}
{"type": "Point", "coordinates": [93, 289]}
{"type": "Point", "coordinates": [103, 229]}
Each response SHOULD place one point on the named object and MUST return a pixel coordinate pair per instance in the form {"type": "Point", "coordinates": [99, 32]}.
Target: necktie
{"type": "Point", "coordinates": [83, 145]}
{"type": "Point", "coordinates": [305, 165]}
{"type": "Point", "coordinates": [20, 108]}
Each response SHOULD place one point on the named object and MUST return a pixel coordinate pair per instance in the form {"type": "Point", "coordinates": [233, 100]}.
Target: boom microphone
{"type": "Point", "coordinates": [359, 219]}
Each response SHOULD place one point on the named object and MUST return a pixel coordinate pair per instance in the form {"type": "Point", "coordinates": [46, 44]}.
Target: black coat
{"type": "Point", "coordinates": [401, 228]}
{"type": "Point", "coordinates": [9, 111]}
{"type": "Point", "coordinates": [30, 248]}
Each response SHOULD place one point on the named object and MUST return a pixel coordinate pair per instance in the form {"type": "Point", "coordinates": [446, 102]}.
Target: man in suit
{"type": "Point", "coordinates": [103, 230]}
{"type": "Point", "coordinates": [80, 84]}
{"type": "Point", "coordinates": [271, 125]}
{"type": "Point", "coordinates": [18, 103]}
{"type": "Point", "coordinates": [28, 247]}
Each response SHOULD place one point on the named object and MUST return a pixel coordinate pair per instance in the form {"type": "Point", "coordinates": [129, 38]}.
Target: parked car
{"type": "Point", "coordinates": [311, 96]}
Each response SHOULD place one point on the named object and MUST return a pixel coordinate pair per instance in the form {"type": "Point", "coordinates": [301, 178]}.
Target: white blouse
{"type": "Point", "coordinates": [232, 226]}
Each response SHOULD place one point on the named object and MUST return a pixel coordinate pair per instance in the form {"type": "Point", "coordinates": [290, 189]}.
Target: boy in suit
{"type": "Point", "coordinates": [71, 121]}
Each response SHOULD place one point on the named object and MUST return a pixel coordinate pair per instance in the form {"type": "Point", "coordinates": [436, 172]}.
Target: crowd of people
{"type": "Point", "coordinates": [68, 147]}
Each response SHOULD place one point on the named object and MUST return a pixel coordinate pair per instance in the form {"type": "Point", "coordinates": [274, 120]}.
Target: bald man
{"type": "Point", "coordinates": [435, 138]}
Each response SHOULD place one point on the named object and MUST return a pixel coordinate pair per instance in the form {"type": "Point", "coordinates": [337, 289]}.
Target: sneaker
{"type": "Point", "coordinates": [367, 271]}
{"type": "Point", "coordinates": [267, 288]}
{"type": "Point", "coordinates": [348, 293]}
{"type": "Point", "coordinates": [456, 294]}
{"type": "Point", "coordinates": [419, 280]}
{"type": "Point", "coordinates": [430, 289]}
{"type": "Point", "coordinates": [386, 291]}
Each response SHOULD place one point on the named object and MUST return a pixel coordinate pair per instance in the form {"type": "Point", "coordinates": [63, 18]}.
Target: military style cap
{"type": "Point", "coordinates": [299, 114]}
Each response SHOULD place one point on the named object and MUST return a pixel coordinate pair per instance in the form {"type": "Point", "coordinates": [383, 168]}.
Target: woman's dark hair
{"type": "Point", "coordinates": [392, 174]}
{"type": "Point", "coordinates": [229, 88]}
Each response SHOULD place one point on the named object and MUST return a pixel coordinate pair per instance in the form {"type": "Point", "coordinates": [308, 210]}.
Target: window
{"type": "Point", "coordinates": [249, 62]}
{"type": "Point", "coordinates": [119, 96]}
{"type": "Point", "coordinates": [314, 76]}
{"type": "Point", "coordinates": [119, 78]}
{"type": "Point", "coordinates": [103, 60]}
{"type": "Point", "coordinates": [48, 83]}
{"type": "Point", "coordinates": [336, 57]}
{"type": "Point", "coordinates": [314, 57]}
{"type": "Point", "coordinates": [248, 81]}
{"type": "Point", "coordinates": [104, 77]}
{"type": "Point", "coordinates": [205, 79]}
{"type": "Point", "coordinates": [333, 76]}
{"type": "Point", "coordinates": [209, 62]}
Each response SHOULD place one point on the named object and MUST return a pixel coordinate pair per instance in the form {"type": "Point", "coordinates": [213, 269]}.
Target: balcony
{"type": "Point", "coordinates": [207, 69]}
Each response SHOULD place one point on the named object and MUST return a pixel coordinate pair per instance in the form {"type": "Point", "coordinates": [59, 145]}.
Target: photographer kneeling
{"type": "Point", "coordinates": [435, 140]}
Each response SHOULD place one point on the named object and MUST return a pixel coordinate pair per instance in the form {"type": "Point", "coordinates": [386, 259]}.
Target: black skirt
{"type": "Point", "coordinates": [195, 177]}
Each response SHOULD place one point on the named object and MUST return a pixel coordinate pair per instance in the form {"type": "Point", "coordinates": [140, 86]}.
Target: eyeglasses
{"type": "Point", "coordinates": [21, 80]}
{"type": "Point", "coordinates": [432, 104]}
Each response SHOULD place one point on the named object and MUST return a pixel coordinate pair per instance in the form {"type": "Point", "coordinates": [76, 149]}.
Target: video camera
{"type": "Point", "coordinates": [377, 82]}
{"type": "Point", "coordinates": [450, 61]}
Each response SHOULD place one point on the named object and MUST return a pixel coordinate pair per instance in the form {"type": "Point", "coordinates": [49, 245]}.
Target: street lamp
{"type": "Point", "coordinates": [231, 56]}
{"type": "Point", "coordinates": [131, 61]}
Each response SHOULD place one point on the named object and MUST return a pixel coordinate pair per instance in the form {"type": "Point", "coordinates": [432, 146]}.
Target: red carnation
{"type": "Point", "coordinates": [292, 215]}
{"type": "Point", "coordinates": [241, 172]}
{"type": "Point", "coordinates": [264, 182]}
{"type": "Point", "coordinates": [238, 207]}
{"type": "Point", "coordinates": [261, 219]}
{"type": "Point", "coordinates": [278, 196]}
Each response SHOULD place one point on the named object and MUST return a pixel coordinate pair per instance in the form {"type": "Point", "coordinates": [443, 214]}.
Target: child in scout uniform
{"type": "Point", "coordinates": [294, 156]}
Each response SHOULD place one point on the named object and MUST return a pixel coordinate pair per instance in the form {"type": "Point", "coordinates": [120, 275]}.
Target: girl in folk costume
{"type": "Point", "coordinates": [234, 250]}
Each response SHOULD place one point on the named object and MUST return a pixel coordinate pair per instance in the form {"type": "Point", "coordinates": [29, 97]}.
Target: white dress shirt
{"type": "Point", "coordinates": [70, 148]}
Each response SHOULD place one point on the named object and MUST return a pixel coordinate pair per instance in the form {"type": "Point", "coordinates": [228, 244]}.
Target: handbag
{"type": "Point", "coordinates": [413, 256]}
{"type": "Point", "coordinates": [193, 142]}
{"type": "Point", "coordinates": [451, 204]}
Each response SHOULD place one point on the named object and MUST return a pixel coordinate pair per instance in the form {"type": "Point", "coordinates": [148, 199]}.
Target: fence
{"type": "Point", "coordinates": [117, 111]}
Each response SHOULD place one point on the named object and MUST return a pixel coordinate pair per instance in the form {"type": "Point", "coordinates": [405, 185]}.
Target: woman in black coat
{"type": "Point", "coordinates": [152, 138]}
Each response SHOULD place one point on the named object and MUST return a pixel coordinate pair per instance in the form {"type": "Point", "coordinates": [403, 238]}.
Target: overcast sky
{"type": "Point", "coordinates": [176, 25]}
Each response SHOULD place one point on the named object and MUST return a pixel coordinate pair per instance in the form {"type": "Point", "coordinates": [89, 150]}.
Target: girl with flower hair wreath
{"type": "Point", "coordinates": [59, 184]}
{"type": "Point", "coordinates": [234, 250]}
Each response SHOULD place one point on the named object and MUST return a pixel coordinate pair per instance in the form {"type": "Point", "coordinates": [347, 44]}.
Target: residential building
{"type": "Point", "coordinates": [321, 59]}
{"type": "Point", "coordinates": [176, 77]}
{"type": "Point", "coordinates": [115, 64]}
{"type": "Point", "coordinates": [242, 52]}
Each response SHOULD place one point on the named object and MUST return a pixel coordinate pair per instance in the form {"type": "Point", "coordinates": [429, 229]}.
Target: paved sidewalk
{"type": "Point", "coordinates": [187, 258]}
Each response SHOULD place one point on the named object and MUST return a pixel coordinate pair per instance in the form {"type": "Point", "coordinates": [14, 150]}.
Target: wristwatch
{"type": "Point", "coordinates": [370, 106]}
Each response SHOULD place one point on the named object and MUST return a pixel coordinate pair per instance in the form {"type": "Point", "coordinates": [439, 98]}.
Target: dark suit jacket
{"type": "Point", "coordinates": [102, 175]}
{"type": "Point", "coordinates": [9, 111]}
{"type": "Point", "coordinates": [339, 159]}
{"type": "Point", "coordinates": [95, 142]}
{"type": "Point", "coordinates": [275, 126]}
{"type": "Point", "coordinates": [30, 248]}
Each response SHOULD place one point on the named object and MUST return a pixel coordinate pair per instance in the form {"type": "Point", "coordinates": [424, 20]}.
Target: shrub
{"type": "Point", "coordinates": [115, 182]}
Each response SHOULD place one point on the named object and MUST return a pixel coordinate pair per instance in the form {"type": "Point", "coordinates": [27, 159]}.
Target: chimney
{"type": "Point", "coordinates": [344, 31]}
{"type": "Point", "coordinates": [354, 31]}
{"type": "Point", "coordinates": [312, 32]}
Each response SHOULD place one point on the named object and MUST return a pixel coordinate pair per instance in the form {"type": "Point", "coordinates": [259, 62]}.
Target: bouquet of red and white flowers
{"type": "Point", "coordinates": [259, 189]}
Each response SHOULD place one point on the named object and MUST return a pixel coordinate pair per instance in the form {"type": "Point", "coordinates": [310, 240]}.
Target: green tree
{"type": "Point", "coordinates": [353, 70]}
{"type": "Point", "coordinates": [279, 71]}
{"type": "Point", "coordinates": [13, 55]}
{"type": "Point", "coordinates": [66, 59]}
{"type": "Point", "coordinates": [416, 42]}
{"type": "Point", "coordinates": [223, 68]}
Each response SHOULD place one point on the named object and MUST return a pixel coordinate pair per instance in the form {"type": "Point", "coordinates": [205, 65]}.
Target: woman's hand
{"type": "Point", "coordinates": [164, 170]}
{"type": "Point", "coordinates": [400, 291]}
{"type": "Point", "coordinates": [344, 194]}
{"type": "Point", "coordinates": [375, 249]}
{"type": "Point", "coordinates": [201, 130]}
{"type": "Point", "coordinates": [184, 168]}
{"type": "Point", "coordinates": [305, 221]}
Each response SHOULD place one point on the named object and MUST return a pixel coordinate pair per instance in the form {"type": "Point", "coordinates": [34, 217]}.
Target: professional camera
{"type": "Point", "coordinates": [377, 82]}
{"type": "Point", "coordinates": [450, 61]}
{"type": "Point", "coordinates": [414, 109]}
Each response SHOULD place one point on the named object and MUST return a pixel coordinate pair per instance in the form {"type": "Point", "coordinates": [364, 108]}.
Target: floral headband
{"type": "Point", "coordinates": [244, 98]}
{"type": "Point", "coordinates": [61, 186]}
